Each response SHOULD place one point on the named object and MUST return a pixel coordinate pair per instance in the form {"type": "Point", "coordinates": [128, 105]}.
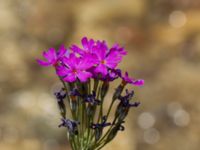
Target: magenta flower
{"type": "Point", "coordinates": [87, 45]}
{"type": "Point", "coordinates": [132, 81]}
{"type": "Point", "coordinates": [106, 59]}
{"type": "Point", "coordinates": [87, 50]}
{"type": "Point", "coordinates": [74, 67]}
{"type": "Point", "coordinates": [118, 49]}
{"type": "Point", "coordinates": [88, 61]}
{"type": "Point", "coordinates": [100, 55]}
{"type": "Point", "coordinates": [52, 57]}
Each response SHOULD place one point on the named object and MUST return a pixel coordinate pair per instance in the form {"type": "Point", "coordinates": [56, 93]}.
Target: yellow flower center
{"type": "Point", "coordinates": [103, 62]}
{"type": "Point", "coordinates": [74, 71]}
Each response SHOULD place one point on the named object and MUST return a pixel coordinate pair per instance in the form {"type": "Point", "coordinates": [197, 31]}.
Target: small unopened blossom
{"type": "Point", "coordinates": [101, 125]}
{"type": "Point", "coordinates": [125, 100]}
{"type": "Point", "coordinates": [98, 127]}
{"type": "Point", "coordinates": [60, 95]}
{"type": "Point", "coordinates": [74, 92]}
{"type": "Point", "coordinates": [71, 125]}
{"type": "Point", "coordinates": [91, 98]}
{"type": "Point", "coordinates": [112, 74]}
{"type": "Point", "coordinates": [116, 128]}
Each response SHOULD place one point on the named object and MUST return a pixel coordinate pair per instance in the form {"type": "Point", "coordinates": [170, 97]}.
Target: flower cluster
{"type": "Point", "coordinates": [93, 59]}
{"type": "Point", "coordinates": [86, 72]}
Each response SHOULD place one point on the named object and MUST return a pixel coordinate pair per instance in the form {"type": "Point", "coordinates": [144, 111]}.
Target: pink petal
{"type": "Point", "coordinates": [70, 78]}
{"type": "Point", "coordinates": [87, 61]}
{"type": "Point", "coordinates": [138, 82]}
{"type": "Point", "coordinates": [43, 63]}
{"type": "Point", "coordinates": [83, 76]}
{"type": "Point", "coordinates": [52, 54]}
{"type": "Point", "coordinates": [112, 60]}
{"type": "Point", "coordinates": [76, 49]}
{"type": "Point", "coordinates": [111, 64]}
{"type": "Point", "coordinates": [62, 71]}
{"type": "Point", "coordinates": [101, 69]}
{"type": "Point", "coordinates": [70, 61]}
{"type": "Point", "coordinates": [118, 49]}
{"type": "Point", "coordinates": [46, 55]}
{"type": "Point", "coordinates": [127, 78]}
{"type": "Point", "coordinates": [90, 44]}
{"type": "Point", "coordinates": [62, 51]}
{"type": "Point", "coordinates": [102, 52]}
{"type": "Point", "coordinates": [84, 42]}
{"type": "Point", "coordinates": [126, 74]}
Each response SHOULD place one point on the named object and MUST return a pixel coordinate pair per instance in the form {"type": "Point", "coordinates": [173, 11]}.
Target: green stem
{"type": "Point", "coordinates": [108, 113]}
{"type": "Point", "coordinates": [107, 133]}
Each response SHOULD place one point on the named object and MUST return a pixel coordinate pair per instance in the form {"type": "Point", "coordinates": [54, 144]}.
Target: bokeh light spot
{"type": "Point", "coordinates": [151, 136]}
{"type": "Point", "coordinates": [146, 120]}
{"type": "Point", "coordinates": [181, 118]}
{"type": "Point", "coordinates": [177, 19]}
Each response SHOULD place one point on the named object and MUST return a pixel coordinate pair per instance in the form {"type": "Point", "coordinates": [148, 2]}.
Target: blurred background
{"type": "Point", "coordinates": [162, 38]}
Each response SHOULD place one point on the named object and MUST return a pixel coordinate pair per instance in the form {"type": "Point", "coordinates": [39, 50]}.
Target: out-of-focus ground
{"type": "Point", "coordinates": [163, 41]}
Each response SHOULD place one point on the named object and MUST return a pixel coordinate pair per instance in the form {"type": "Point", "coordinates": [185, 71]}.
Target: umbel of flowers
{"type": "Point", "coordinates": [86, 73]}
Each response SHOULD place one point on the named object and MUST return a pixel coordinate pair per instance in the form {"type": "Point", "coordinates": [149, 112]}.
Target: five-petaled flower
{"type": "Point", "coordinates": [106, 59]}
{"type": "Point", "coordinates": [74, 67]}
{"type": "Point", "coordinates": [52, 56]}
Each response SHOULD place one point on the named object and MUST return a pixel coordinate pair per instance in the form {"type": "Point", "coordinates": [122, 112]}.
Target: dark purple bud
{"type": "Point", "coordinates": [91, 98]}
{"type": "Point", "coordinates": [124, 105]}
{"type": "Point", "coordinates": [98, 133]}
{"type": "Point", "coordinates": [125, 100]}
{"type": "Point", "coordinates": [90, 110]}
{"type": "Point", "coordinates": [112, 75]}
{"type": "Point", "coordinates": [121, 112]}
{"type": "Point", "coordinates": [101, 125]}
{"type": "Point", "coordinates": [117, 127]}
{"type": "Point", "coordinates": [74, 92]}
{"type": "Point", "coordinates": [60, 96]}
{"type": "Point", "coordinates": [118, 92]}
{"type": "Point", "coordinates": [71, 125]}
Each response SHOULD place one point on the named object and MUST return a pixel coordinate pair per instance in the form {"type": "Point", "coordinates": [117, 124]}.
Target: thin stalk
{"type": "Point", "coordinates": [111, 105]}
{"type": "Point", "coordinates": [101, 108]}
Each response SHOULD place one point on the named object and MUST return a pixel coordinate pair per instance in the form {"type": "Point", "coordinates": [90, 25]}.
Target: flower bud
{"type": "Point", "coordinates": [60, 96]}
{"type": "Point", "coordinates": [98, 133]}
{"type": "Point", "coordinates": [71, 125]}
{"type": "Point", "coordinates": [118, 92]}
{"type": "Point", "coordinates": [117, 127]}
